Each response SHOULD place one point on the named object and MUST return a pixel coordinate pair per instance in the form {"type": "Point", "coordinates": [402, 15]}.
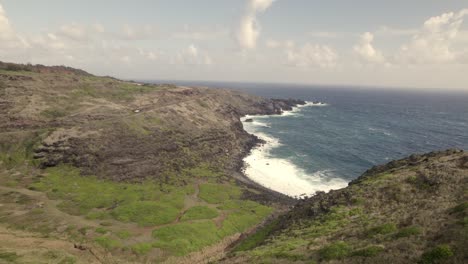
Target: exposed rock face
{"type": "Point", "coordinates": [401, 212]}
{"type": "Point", "coordinates": [91, 122]}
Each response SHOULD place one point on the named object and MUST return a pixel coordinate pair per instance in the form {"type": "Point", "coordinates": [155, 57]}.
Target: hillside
{"type": "Point", "coordinates": [413, 210]}
{"type": "Point", "coordinates": [95, 169]}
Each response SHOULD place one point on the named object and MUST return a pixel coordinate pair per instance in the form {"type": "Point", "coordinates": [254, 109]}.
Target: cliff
{"type": "Point", "coordinates": [412, 210]}
{"type": "Point", "coordinates": [108, 169]}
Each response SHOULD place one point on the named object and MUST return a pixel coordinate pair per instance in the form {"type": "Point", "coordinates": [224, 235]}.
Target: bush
{"type": "Point", "coordinates": [107, 242]}
{"type": "Point", "coordinates": [384, 229]}
{"type": "Point", "coordinates": [338, 250]}
{"type": "Point", "coordinates": [408, 231]}
{"type": "Point", "coordinates": [370, 251]}
{"type": "Point", "coordinates": [437, 254]}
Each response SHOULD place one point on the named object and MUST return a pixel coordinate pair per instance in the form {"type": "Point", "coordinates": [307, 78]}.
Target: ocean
{"type": "Point", "coordinates": [323, 147]}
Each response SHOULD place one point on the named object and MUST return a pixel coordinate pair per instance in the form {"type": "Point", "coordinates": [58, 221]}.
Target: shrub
{"type": "Point", "coordinates": [107, 242]}
{"type": "Point", "coordinates": [338, 250]}
{"type": "Point", "coordinates": [408, 231]}
{"type": "Point", "coordinates": [370, 251]}
{"type": "Point", "coordinates": [384, 229]}
{"type": "Point", "coordinates": [437, 254]}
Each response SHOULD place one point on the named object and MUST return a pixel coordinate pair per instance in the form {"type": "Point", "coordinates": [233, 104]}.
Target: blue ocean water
{"type": "Point", "coordinates": [360, 127]}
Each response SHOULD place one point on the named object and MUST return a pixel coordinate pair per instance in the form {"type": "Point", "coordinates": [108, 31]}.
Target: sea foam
{"type": "Point", "coordinates": [280, 174]}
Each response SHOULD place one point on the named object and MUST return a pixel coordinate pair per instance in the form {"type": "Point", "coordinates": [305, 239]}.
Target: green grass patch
{"type": "Point", "coordinates": [408, 231]}
{"type": "Point", "coordinates": [436, 255]}
{"type": "Point", "coordinates": [219, 193]}
{"type": "Point", "coordinates": [199, 212]}
{"type": "Point", "coordinates": [183, 238]}
{"type": "Point", "coordinates": [9, 256]}
{"type": "Point", "coordinates": [257, 238]}
{"type": "Point", "coordinates": [142, 248]}
{"type": "Point", "coordinates": [384, 229]}
{"type": "Point", "coordinates": [101, 230]}
{"type": "Point", "coordinates": [338, 250]}
{"type": "Point", "coordinates": [370, 251]}
{"type": "Point", "coordinates": [123, 234]}
{"type": "Point", "coordinates": [146, 213]}
{"type": "Point", "coordinates": [107, 242]}
{"type": "Point", "coordinates": [145, 204]}
{"type": "Point", "coordinates": [54, 113]}
{"type": "Point", "coordinates": [460, 208]}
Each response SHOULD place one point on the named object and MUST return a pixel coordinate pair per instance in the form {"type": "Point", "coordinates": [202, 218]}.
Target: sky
{"type": "Point", "coordinates": [414, 44]}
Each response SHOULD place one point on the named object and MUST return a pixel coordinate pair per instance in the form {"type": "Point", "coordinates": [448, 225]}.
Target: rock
{"type": "Point", "coordinates": [249, 120]}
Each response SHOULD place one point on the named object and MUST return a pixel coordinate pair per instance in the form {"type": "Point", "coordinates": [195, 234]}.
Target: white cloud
{"type": "Point", "coordinates": [273, 44]}
{"type": "Point", "coordinates": [366, 51]}
{"type": "Point", "coordinates": [394, 32]}
{"type": "Point", "coordinates": [312, 56]}
{"type": "Point", "coordinates": [74, 31]}
{"type": "Point", "coordinates": [200, 33]}
{"type": "Point", "coordinates": [436, 41]}
{"type": "Point", "coordinates": [6, 31]}
{"type": "Point", "coordinates": [249, 28]}
{"type": "Point", "coordinates": [192, 56]}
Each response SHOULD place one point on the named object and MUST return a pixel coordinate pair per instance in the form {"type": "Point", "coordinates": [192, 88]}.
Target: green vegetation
{"type": "Point", "coordinates": [199, 212]}
{"type": "Point", "coordinates": [337, 250]}
{"type": "Point", "coordinates": [436, 255]}
{"type": "Point", "coordinates": [184, 238]}
{"type": "Point", "coordinates": [460, 208]}
{"type": "Point", "coordinates": [145, 204]}
{"type": "Point", "coordinates": [369, 251]}
{"type": "Point", "coordinates": [146, 213]}
{"type": "Point", "coordinates": [257, 238]}
{"type": "Point", "coordinates": [142, 248]}
{"type": "Point", "coordinates": [384, 229]}
{"type": "Point", "coordinates": [8, 256]}
{"type": "Point", "coordinates": [218, 193]}
{"type": "Point", "coordinates": [107, 242]}
{"type": "Point", "coordinates": [408, 231]}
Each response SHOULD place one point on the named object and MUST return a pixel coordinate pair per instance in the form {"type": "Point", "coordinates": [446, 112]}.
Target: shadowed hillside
{"type": "Point", "coordinates": [412, 210]}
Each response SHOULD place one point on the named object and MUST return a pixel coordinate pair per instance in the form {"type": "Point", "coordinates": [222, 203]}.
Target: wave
{"type": "Point", "coordinates": [280, 174]}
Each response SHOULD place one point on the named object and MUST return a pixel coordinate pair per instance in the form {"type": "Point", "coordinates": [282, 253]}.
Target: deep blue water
{"type": "Point", "coordinates": [361, 127]}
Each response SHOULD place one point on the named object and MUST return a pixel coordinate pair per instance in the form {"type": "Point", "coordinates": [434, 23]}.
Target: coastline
{"type": "Point", "coordinates": [278, 174]}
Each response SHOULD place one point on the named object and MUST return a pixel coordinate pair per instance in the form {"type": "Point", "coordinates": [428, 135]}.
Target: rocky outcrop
{"type": "Point", "coordinates": [406, 211]}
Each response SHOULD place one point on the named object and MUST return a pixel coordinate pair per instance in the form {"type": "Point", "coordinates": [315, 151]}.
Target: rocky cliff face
{"type": "Point", "coordinates": [123, 130]}
{"type": "Point", "coordinates": [407, 211]}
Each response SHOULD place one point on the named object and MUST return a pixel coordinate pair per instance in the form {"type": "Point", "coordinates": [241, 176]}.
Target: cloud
{"type": "Point", "coordinates": [311, 55]}
{"type": "Point", "coordinates": [395, 32]}
{"type": "Point", "coordinates": [366, 51]}
{"type": "Point", "coordinates": [249, 28]}
{"type": "Point", "coordinates": [192, 56]}
{"type": "Point", "coordinates": [200, 33]}
{"type": "Point", "coordinates": [6, 31]}
{"type": "Point", "coordinates": [436, 41]}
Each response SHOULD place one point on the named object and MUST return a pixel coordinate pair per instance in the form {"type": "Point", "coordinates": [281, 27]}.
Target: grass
{"type": "Point", "coordinates": [145, 204]}
{"type": "Point", "coordinates": [257, 238]}
{"type": "Point", "coordinates": [146, 213]}
{"type": "Point", "coordinates": [369, 251]}
{"type": "Point", "coordinates": [199, 212]}
{"type": "Point", "coordinates": [9, 257]}
{"type": "Point", "coordinates": [408, 231]}
{"type": "Point", "coordinates": [383, 229]}
{"type": "Point", "coordinates": [184, 238]}
{"type": "Point", "coordinates": [437, 254]}
{"type": "Point", "coordinates": [337, 250]}
{"type": "Point", "coordinates": [142, 248]}
{"type": "Point", "coordinates": [107, 242]}
{"type": "Point", "coordinates": [219, 193]}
